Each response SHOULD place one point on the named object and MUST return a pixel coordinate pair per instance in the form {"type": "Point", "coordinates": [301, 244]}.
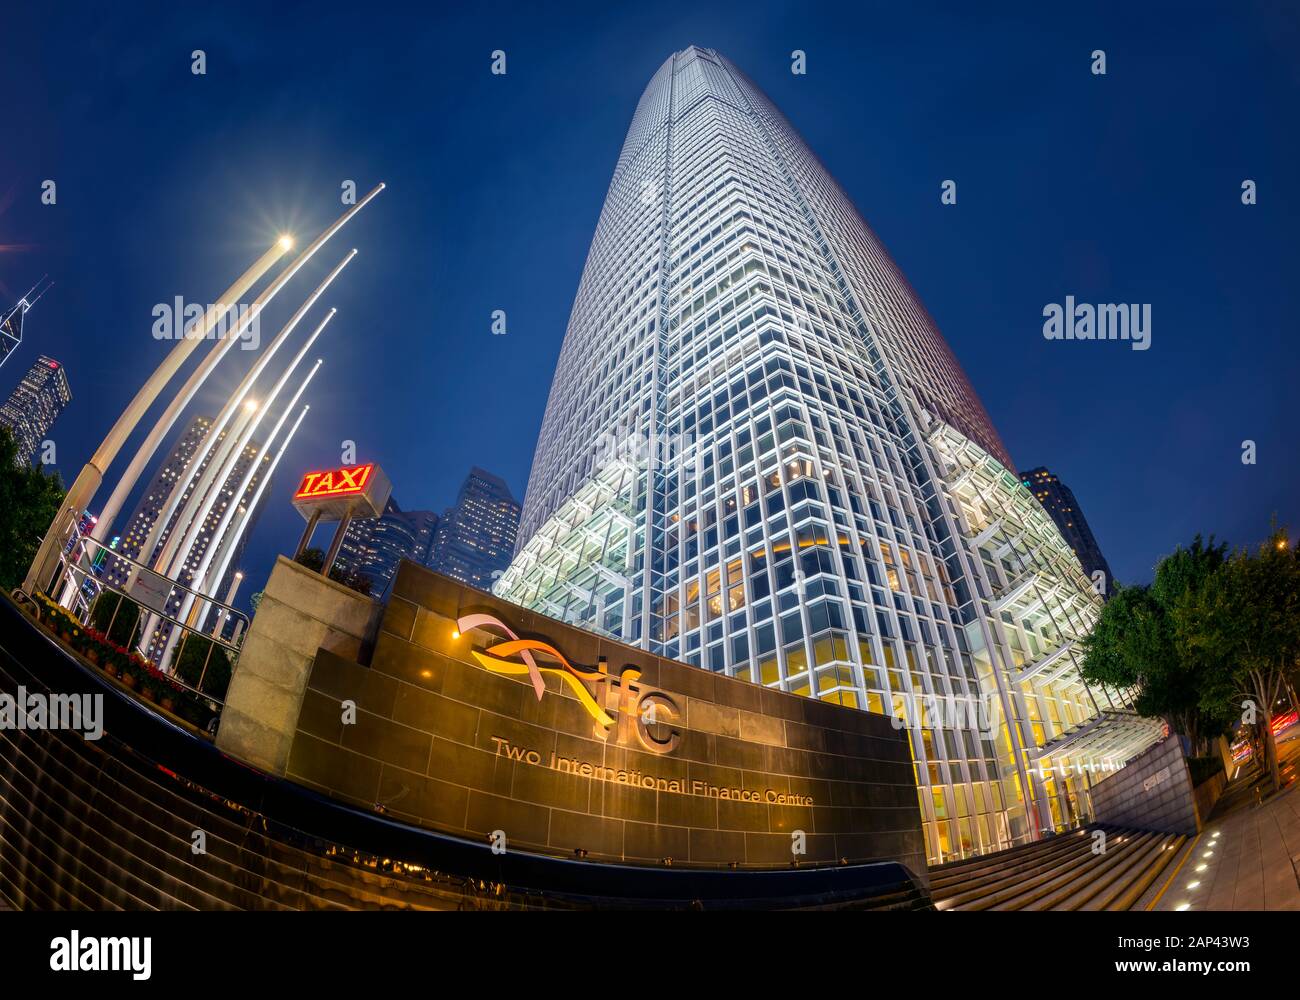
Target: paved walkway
{"type": "Point", "coordinates": [1246, 858]}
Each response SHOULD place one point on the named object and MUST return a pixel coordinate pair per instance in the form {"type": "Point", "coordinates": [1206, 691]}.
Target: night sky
{"type": "Point", "coordinates": [1122, 188]}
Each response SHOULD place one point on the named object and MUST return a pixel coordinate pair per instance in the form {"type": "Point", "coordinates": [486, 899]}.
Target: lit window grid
{"type": "Point", "coordinates": [728, 193]}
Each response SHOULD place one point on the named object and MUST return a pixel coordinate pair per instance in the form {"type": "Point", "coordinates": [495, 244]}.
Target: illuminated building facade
{"type": "Point", "coordinates": [34, 405]}
{"type": "Point", "coordinates": [1059, 501]}
{"type": "Point", "coordinates": [476, 538]}
{"type": "Point", "coordinates": [374, 546]}
{"type": "Point", "coordinates": [760, 456]}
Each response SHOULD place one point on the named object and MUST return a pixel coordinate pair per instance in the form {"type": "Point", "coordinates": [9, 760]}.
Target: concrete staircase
{"type": "Point", "coordinates": [1059, 873]}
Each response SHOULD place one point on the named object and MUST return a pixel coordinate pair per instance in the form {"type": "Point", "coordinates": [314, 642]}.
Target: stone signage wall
{"type": "Point", "coordinates": [629, 757]}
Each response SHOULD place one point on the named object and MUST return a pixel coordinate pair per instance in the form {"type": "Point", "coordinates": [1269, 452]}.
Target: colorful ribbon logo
{"type": "Point", "coordinates": [524, 648]}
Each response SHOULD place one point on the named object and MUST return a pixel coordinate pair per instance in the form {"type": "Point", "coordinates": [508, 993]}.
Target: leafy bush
{"type": "Point", "coordinates": [314, 559]}
{"type": "Point", "coordinates": [122, 612]}
{"type": "Point", "coordinates": [190, 666]}
{"type": "Point", "coordinates": [135, 672]}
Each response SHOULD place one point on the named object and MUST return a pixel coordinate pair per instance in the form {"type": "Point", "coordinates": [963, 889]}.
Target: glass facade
{"type": "Point", "coordinates": [373, 547]}
{"type": "Point", "coordinates": [475, 538]}
{"type": "Point", "coordinates": [760, 457]}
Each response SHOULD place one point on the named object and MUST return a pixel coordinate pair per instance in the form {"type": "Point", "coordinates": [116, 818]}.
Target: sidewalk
{"type": "Point", "coordinates": [1245, 858]}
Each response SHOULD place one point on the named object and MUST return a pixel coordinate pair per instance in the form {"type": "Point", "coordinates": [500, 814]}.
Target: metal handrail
{"type": "Point", "coordinates": [71, 571]}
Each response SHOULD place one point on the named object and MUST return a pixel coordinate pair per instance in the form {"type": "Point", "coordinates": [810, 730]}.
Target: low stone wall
{"type": "Point", "coordinates": [1207, 795]}
{"type": "Point", "coordinates": [728, 772]}
{"type": "Point", "coordinates": [301, 612]}
{"type": "Point", "coordinates": [1152, 792]}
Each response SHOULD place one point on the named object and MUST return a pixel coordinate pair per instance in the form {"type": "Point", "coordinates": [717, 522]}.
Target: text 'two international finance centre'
{"type": "Point", "coordinates": [760, 456]}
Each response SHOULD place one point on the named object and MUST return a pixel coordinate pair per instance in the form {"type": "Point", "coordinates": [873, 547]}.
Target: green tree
{"type": "Point", "coordinates": [1247, 621]}
{"type": "Point", "coordinates": [29, 500]}
{"type": "Point", "coordinates": [1135, 644]}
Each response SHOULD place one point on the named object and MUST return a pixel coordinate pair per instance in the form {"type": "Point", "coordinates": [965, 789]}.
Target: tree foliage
{"type": "Point", "coordinates": [29, 501]}
{"type": "Point", "coordinates": [1136, 644]}
{"type": "Point", "coordinates": [1213, 641]}
{"type": "Point", "coordinates": [1246, 621]}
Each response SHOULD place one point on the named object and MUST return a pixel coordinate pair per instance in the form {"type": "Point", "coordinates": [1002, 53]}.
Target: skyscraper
{"type": "Point", "coordinates": [11, 323]}
{"type": "Point", "coordinates": [476, 538]}
{"type": "Point", "coordinates": [374, 546]}
{"type": "Point", "coordinates": [11, 330]}
{"type": "Point", "coordinates": [180, 470]}
{"type": "Point", "coordinates": [760, 456]}
{"type": "Point", "coordinates": [34, 405]}
{"type": "Point", "coordinates": [1058, 500]}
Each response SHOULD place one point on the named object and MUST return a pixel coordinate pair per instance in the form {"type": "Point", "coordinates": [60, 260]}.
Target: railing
{"type": "Point", "coordinates": [78, 584]}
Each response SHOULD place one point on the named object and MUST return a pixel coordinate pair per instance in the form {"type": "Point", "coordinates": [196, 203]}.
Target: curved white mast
{"type": "Point", "coordinates": [178, 563]}
{"type": "Point", "coordinates": [195, 514]}
{"type": "Point", "coordinates": [88, 481]}
{"type": "Point", "coordinates": [222, 448]}
{"type": "Point", "coordinates": [228, 550]}
{"type": "Point", "coordinates": [197, 581]}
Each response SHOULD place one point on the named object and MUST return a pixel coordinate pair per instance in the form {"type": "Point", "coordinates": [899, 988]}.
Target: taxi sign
{"type": "Point", "coordinates": [359, 490]}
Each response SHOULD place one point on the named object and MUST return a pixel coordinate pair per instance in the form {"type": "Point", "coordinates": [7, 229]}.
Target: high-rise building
{"type": "Point", "coordinates": [476, 538]}
{"type": "Point", "coordinates": [34, 405]}
{"type": "Point", "coordinates": [1058, 500]}
{"type": "Point", "coordinates": [760, 456]}
{"type": "Point", "coordinates": [11, 323]}
{"type": "Point", "coordinates": [11, 330]}
{"type": "Point", "coordinates": [373, 547]}
{"type": "Point", "coordinates": [181, 470]}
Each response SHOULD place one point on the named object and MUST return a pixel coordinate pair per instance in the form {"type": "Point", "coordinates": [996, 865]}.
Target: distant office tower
{"type": "Point", "coordinates": [477, 537]}
{"type": "Point", "coordinates": [11, 323]}
{"type": "Point", "coordinates": [180, 470]}
{"type": "Point", "coordinates": [1058, 500]}
{"type": "Point", "coordinates": [760, 456]}
{"type": "Point", "coordinates": [374, 546]}
{"type": "Point", "coordinates": [34, 405]}
{"type": "Point", "coordinates": [11, 330]}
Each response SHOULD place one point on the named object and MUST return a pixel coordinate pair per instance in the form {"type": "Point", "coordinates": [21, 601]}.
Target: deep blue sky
{"type": "Point", "coordinates": [1123, 188]}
